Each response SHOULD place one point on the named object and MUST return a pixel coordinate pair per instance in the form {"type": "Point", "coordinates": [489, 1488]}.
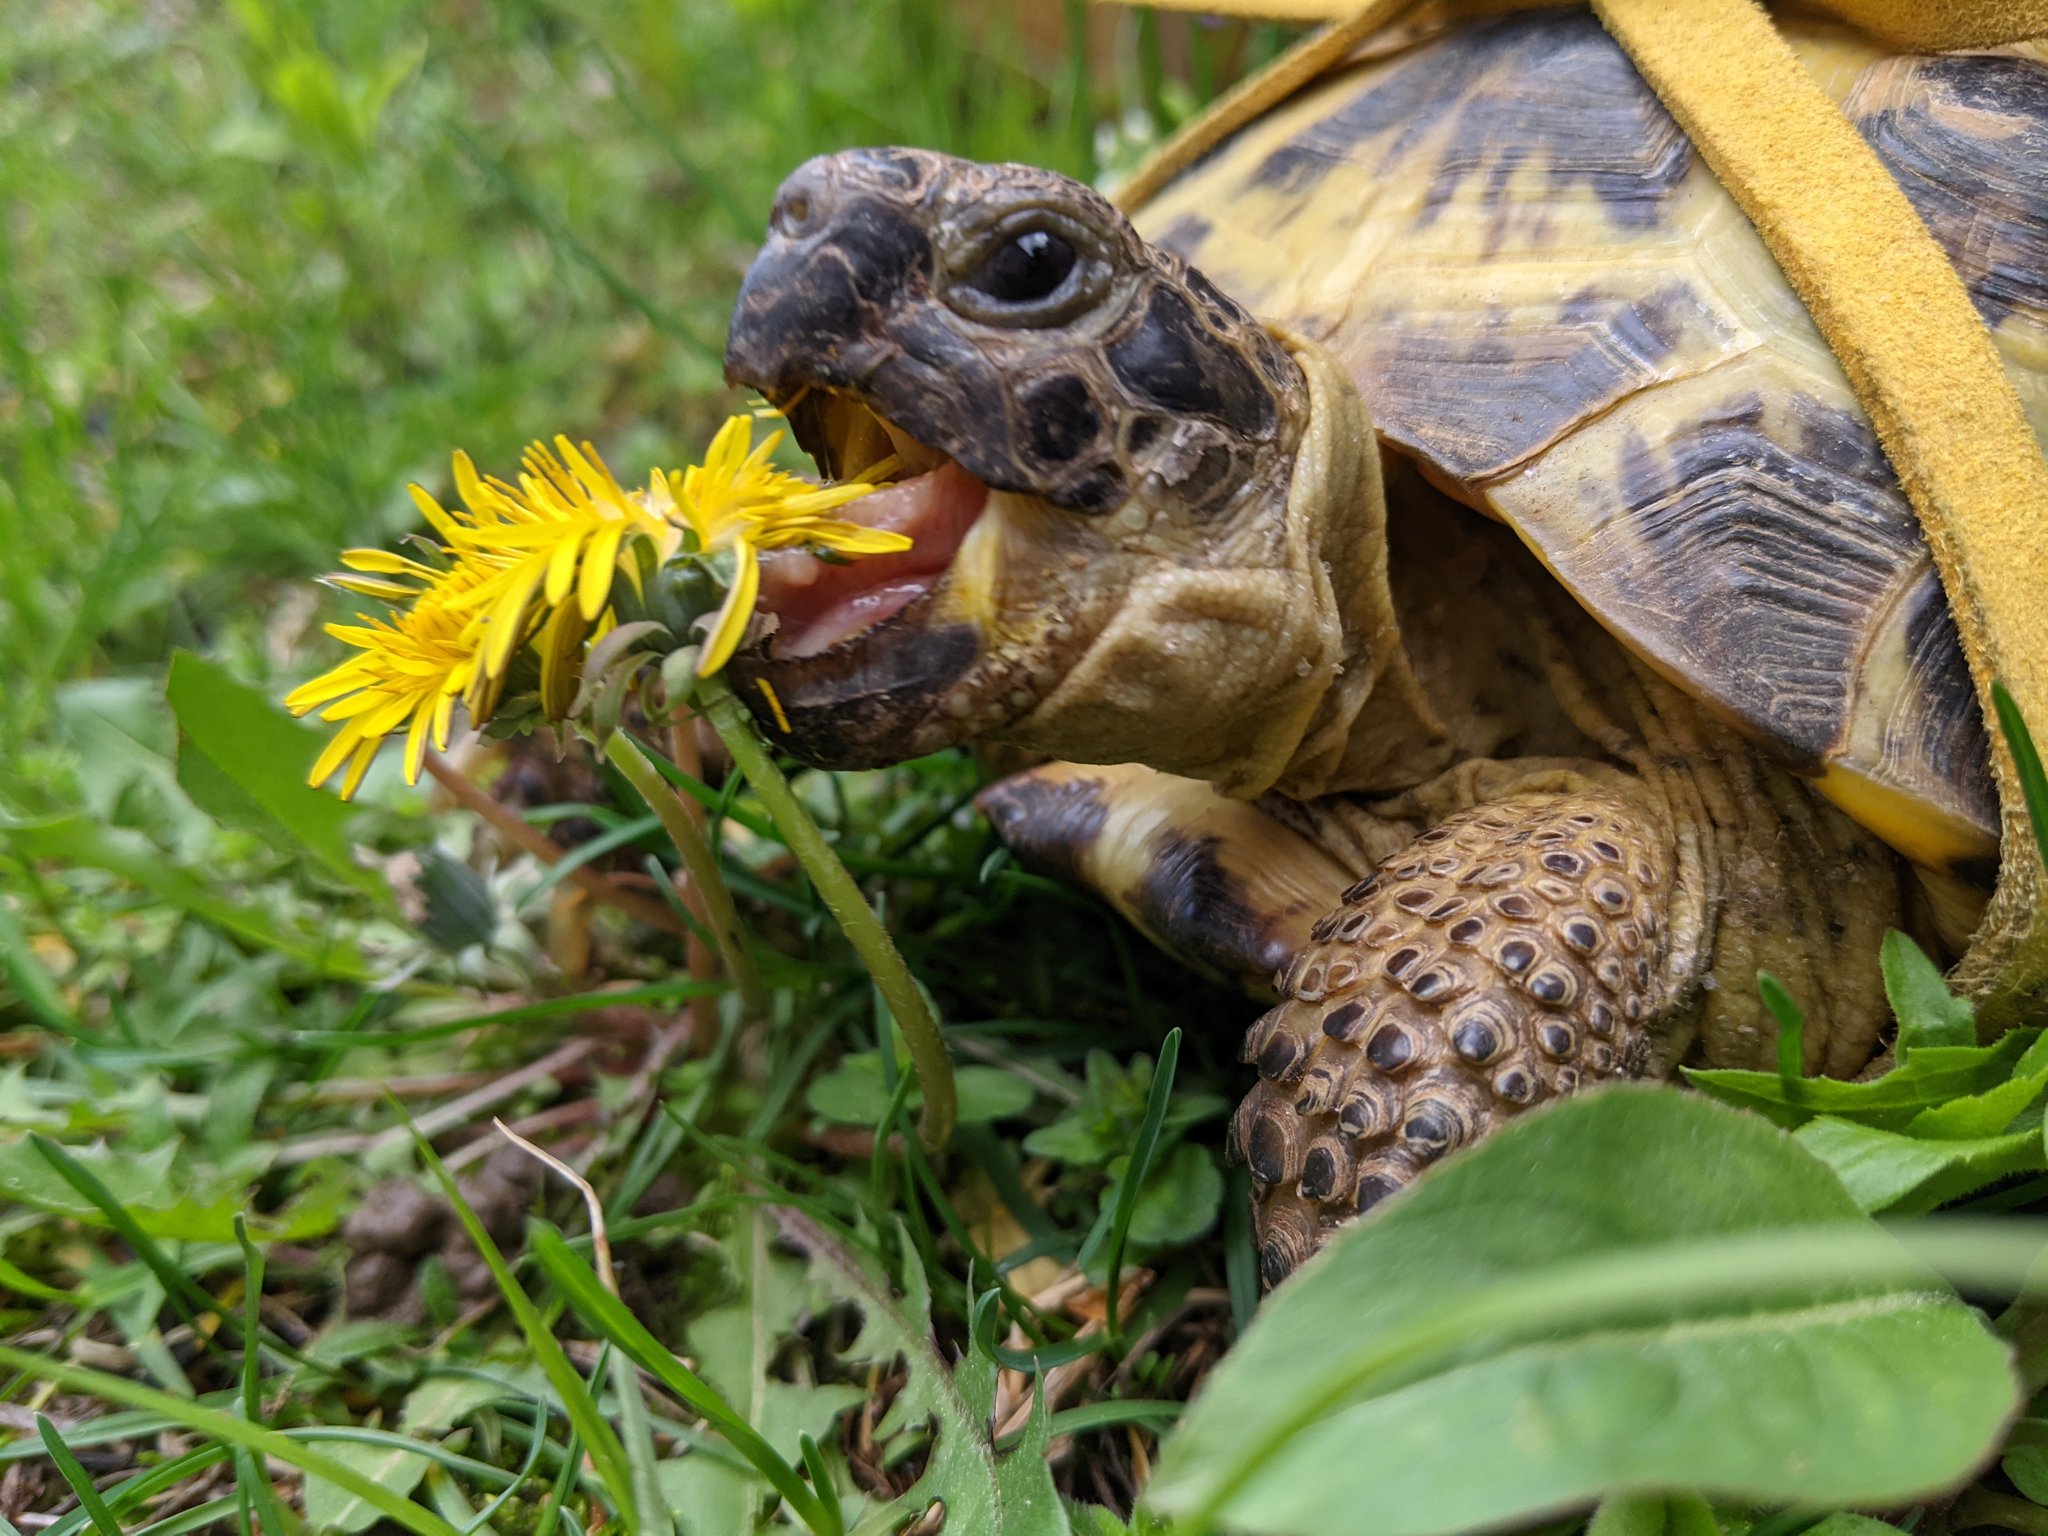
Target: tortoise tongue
{"type": "Point", "coordinates": [820, 604]}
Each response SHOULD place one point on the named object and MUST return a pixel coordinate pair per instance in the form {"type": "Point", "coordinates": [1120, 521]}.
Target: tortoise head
{"type": "Point", "coordinates": [1089, 445]}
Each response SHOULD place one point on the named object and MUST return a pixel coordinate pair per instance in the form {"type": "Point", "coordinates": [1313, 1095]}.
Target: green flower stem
{"type": "Point", "coordinates": [699, 862]}
{"type": "Point", "coordinates": [928, 1057]}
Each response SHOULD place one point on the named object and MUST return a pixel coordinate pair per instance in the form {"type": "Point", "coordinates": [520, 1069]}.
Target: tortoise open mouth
{"type": "Point", "coordinates": [822, 604]}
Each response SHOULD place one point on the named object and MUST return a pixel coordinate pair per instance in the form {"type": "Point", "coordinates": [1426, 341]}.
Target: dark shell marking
{"type": "Point", "coordinates": [1966, 138]}
{"type": "Point", "coordinates": [1550, 302]}
{"type": "Point", "coordinates": [1466, 108]}
{"type": "Point", "coordinates": [1364, 1085]}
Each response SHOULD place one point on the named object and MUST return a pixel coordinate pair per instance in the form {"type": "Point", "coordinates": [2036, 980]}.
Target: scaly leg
{"type": "Point", "coordinates": [1511, 953]}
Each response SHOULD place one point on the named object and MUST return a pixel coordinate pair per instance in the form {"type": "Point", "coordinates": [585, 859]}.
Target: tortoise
{"type": "Point", "coordinates": [1444, 577]}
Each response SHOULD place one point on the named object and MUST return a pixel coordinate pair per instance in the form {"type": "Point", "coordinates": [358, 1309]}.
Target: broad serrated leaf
{"type": "Point", "coordinates": [734, 1348]}
{"type": "Point", "coordinates": [1904, 1175]}
{"type": "Point", "coordinates": [164, 1200]}
{"type": "Point", "coordinates": [988, 1494]}
{"type": "Point", "coordinates": [1623, 1293]}
{"type": "Point", "coordinates": [1929, 1076]}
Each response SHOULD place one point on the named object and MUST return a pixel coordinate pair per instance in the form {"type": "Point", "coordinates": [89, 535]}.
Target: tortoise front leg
{"type": "Point", "coordinates": [1510, 954]}
{"type": "Point", "coordinates": [1216, 882]}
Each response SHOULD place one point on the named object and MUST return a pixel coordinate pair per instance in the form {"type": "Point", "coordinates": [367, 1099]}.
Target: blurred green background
{"type": "Point", "coordinates": [262, 264]}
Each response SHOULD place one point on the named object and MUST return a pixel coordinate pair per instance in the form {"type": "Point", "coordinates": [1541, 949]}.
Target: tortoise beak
{"type": "Point", "coordinates": [876, 699]}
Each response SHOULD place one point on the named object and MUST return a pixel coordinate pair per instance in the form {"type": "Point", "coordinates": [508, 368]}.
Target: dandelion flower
{"type": "Point", "coordinates": [735, 500]}
{"type": "Point", "coordinates": [411, 670]}
{"type": "Point", "coordinates": [537, 561]}
{"type": "Point", "coordinates": [558, 533]}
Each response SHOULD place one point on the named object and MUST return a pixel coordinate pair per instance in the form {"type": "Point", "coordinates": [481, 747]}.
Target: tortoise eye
{"type": "Point", "coordinates": [1025, 268]}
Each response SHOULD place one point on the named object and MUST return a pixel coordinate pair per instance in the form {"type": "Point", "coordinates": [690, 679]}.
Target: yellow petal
{"type": "Point", "coordinates": [334, 755]}
{"type": "Point", "coordinates": [328, 685]}
{"type": "Point", "coordinates": [372, 586]}
{"type": "Point", "coordinates": [365, 755]}
{"type": "Point", "coordinates": [731, 624]}
{"type": "Point", "coordinates": [383, 562]}
{"type": "Point", "coordinates": [416, 742]}
{"type": "Point", "coordinates": [561, 646]}
{"type": "Point", "coordinates": [433, 512]}
{"type": "Point", "coordinates": [562, 569]}
{"type": "Point", "coordinates": [507, 625]}
{"type": "Point", "coordinates": [600, 565]}
{"type": "Point", "coordinates": [470, 486]}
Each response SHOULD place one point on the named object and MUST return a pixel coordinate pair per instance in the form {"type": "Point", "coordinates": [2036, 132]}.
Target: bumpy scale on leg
{"type": "Point", "coordinates": [1508, 955]}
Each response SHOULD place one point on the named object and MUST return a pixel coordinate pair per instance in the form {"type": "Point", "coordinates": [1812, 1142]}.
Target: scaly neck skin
{"type": "Point", "coordinates": [1264, 655]}
{"type": "Point", "coordinates": [1372, 730]}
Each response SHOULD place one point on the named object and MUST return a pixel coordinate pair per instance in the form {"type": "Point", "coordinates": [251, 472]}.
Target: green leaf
{"type": "Point", "coordinates": [82, 1487]}
{"type": "Point", "coordinates": [331, 1507]}
{"type": "Point", "coordinates": [1972, 1115]}
{"type": "Point", "coordinates": [78, 840]}
{"type": "Point", "coordinates": [1928, 1013]}
{"type": "Point", "coordinates": [2026, 1459]}
{"type": "Point", "coordinates": [31, 979]}
{"type": "Point", "coordinates": [2027, 759]}
{"type": "Point", "coordinates": [1179, 1202]}
{"type": "Point", "coordinates": [1901, 1174]}
{"type": "Point", "coordinates": [1791, 1029]}
{"type": "Point", "coordinates": [990, 1495]}
{"type": "Point", "coordinates": [1634, 1290]}
{"type": "Point", "coordinates": [1632, 1514]}
{"type": "Point", "coordinates": [244, 760]}
{"type": "Point", "coordinates": [1926, 1077]}
{"type": "Point", "coordinates": [854, 1093]}
{"type": "Point", "coordinates": [157, 1196]}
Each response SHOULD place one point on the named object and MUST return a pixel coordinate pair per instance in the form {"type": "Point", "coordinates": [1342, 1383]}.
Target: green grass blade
{"type": "Point", "coordinates": [67, 1465]}
{"type": "Point", "coordinates": [607, 1455]}
{"type": "Point", "coordinates": [1791, 1029]}
{"type": "Point", "coordinates": [603, 1312]}
{"type": "Point", "coordinates": [200, 1517]}
{"type": "Point", "coordinates": [32, 981]}
{"type": "Point", "coordinates": [2033, 782]}
{"type": "Point", "coordinates": [131, 1491]}
{"type": "Point", "coordinates": [605, 842]}
{"type": "Point", "coordinates": [184, 1292]}
{"type": "Point", "coordinates": [252, 1484]}
{"type": "Point", "coordinates": [226, 1428]}
{"type": "Point", "coordinates": [1140, 1165]}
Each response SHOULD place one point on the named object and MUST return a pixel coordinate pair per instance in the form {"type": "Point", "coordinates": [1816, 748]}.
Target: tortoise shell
{"type": "Point", "coordinates": [1550, 303]}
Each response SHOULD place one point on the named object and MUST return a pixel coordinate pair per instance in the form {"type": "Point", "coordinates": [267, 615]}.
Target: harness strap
{"type": "Point", "coordinates": [1920, 360]}
{"type": "Point", "coordinates": [1882, 293]}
